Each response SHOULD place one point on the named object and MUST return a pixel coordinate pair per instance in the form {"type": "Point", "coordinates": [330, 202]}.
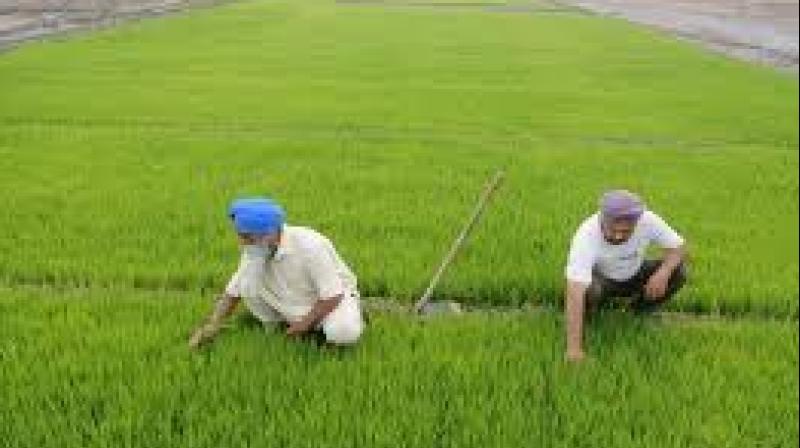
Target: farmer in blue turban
{"type": "Point", "coordinates": [287, 275]}
{"type": "Point", "coordinates": [607, 260]}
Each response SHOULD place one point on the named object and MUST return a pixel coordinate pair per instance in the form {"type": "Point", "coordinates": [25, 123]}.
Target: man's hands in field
{"type": "Point", "coordinates": [656, 286]}
{"type": "Point", "coordinates": [575, 356]}
{"type": "Point", "coordinates": [298, 328]}
{"type": "Point", "coordinates": [205, 333]}
{"type": "Point", "coordinates": [224, 306]}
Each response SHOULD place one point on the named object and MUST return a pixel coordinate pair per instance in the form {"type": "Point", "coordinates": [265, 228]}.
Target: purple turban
{"type": "Point", "coordinates": [621, 204]}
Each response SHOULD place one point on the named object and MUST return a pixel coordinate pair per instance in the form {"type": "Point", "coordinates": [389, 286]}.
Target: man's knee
{"type": "Point", "coordinates": [593, 296]}
{"type": "Point", "coordinates": [676, 280]}
{"type": "Point", "coordinates": [594, 292]}
{"type": "Point", "coordinates": [343, 332]}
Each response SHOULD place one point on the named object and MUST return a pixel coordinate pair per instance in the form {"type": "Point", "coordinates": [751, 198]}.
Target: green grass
{"type": "Point", "coordinates": [120, 150]}
{"type": "Point", "coordinates": [147, 211]}
{"type": "Point", "coordinates": [101, 368]}
{"type": "Point", "coordinates": [504, 75]}
{"type": "Point", "coordinates": [123, 147]}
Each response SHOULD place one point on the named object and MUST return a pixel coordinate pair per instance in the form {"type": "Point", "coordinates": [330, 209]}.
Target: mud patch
{"type": "Point", "coordinates": [764, 31]}
{"type": "Point", "coordinates": [539, 7]}
{"type": "Point", "coordinates": [26, 20]}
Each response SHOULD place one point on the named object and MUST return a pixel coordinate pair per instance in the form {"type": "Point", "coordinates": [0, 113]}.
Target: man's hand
{"type": "Point", "coordinates": [575, 356]}
{"type": "Point", "coordinates": [223, 307]}
{"type": "Point", "coordinates": [573, 310]}
{"type": "Point", "coordinates": [656, 286]}
{"type": "Point", "coordinates": [297, 328]}
{"type": "Point", "coordinates": [322, 308]}
{"type": "Point", "coordinates": [197, 339]}
{"type": "Point", "coordinates": [205, 333]}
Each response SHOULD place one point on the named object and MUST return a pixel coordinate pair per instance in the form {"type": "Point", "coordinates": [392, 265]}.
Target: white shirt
{"type": "Point", "coordinates": [304, 269]}
{"type": "Point", "coordinates": [590, 250]}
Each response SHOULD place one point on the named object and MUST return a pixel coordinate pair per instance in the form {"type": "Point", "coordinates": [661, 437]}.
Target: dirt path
{"type": "Point", "coordinates": [23, 20]}
{"type": "Point", "coordinates": [764, 31]}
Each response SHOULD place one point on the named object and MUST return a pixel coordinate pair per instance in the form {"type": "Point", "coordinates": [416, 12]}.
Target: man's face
{"type": "Point", "coordinates": [618, 231]}
{"type": "Point", "coordinates": [269, 240]}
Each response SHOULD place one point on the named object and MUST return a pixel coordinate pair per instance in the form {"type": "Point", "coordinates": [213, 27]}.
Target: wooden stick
{"type": "Point", "coordinates": [462, 237]}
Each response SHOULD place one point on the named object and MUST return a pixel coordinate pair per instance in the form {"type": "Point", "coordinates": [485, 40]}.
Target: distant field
{"type": "Point", "coordinates": [122, 148]}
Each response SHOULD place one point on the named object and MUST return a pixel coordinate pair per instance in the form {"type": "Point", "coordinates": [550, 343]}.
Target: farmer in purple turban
{"type": "Point", "coordinates": [607, 261]}
{"type": "Point", "coordinates": [288, 275]}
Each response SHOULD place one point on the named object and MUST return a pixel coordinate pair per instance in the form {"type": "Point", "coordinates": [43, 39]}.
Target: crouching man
{"type": "Point", "coordinates": [287, 275]}
{"type": "Point", "coordinates": [607, 260]}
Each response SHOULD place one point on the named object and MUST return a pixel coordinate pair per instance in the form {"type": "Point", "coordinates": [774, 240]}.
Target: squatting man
{"type": "Point", "coordinates": [289, 276]}
{"type": "Point", "coordinates": [607, 261]}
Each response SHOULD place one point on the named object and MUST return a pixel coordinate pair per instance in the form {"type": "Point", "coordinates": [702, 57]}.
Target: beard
{"type": "Point", "coordinates": [271, 250]}
{"type": "Point", "coordinates": [252, 273]}
{"type": "Point", "coordinates": [616, 242]}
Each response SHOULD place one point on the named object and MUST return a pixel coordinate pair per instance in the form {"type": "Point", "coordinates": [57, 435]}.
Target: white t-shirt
{"type": "Point", "coordinates": [304, 269]}
{"type": "Point", "coordinates": [591, 251]}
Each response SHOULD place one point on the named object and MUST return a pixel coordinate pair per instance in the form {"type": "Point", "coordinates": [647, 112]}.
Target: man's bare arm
{"type": "Point", "coordinates": [672, 259]}
{"type": "Point", "coordinates": [223, 307]}
{"type": "Point", "coordinates": [656, 285]}
{"type": "Point", "coordinates": [573, 316]}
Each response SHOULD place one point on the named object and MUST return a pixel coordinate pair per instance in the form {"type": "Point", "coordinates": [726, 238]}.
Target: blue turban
{"type": "Point", "coordinates": [256, 216]}
{"type": "Point", "coordinates": [243, 204]}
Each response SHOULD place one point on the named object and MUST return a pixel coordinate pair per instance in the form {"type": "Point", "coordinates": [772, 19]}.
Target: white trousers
{"type": "Point", "coordinates": [342, 326]}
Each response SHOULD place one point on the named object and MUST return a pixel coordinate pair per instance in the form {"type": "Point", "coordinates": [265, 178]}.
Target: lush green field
{"type": "Point", "coordinates": [150, 212]}
{"type": "Point", "coordinates": [107, 368]}
{"type": "Point", "coordinates": [123, 148]}
{"type": "Point", "coordinates": [378, 125]}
